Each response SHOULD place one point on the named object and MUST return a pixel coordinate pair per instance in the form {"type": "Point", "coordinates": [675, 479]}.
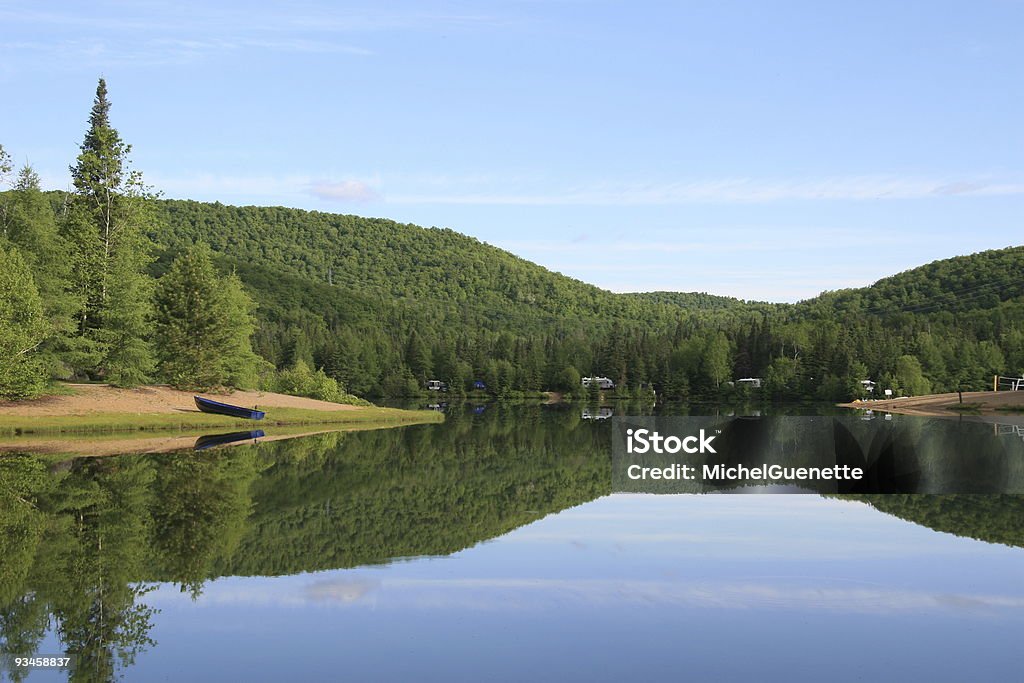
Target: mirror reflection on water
{"type": "Point", "coordinates": [488, 547]}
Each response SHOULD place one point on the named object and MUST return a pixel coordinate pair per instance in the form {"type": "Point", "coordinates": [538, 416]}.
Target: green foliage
{"type": "Point", "coordinates": [105, 227]}
{"type": "Point", "coordinates": [987, 517]}
{"type": "Point", "coordinates": [300, 380]}
{"type": "Point", "coordinates": [405, 304]}
{"type": "Point", "coordinates": [22, 328]}
{"type": "Point", "coordinates": [717, 363]}
{"type": "Point", "coordinates": [910, 376]}
{"type": "Point", "coordinates": [569, 380]}
{"type": "Point", "coordinates": [203, 325]}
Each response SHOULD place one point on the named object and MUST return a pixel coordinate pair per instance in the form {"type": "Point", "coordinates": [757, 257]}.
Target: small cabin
{"type": "Point", "coordinates": [601, 382]}
{"type": "Point", "coordinates": [436, 385]}
{"type": "Point", "coordinates": [751, 382]}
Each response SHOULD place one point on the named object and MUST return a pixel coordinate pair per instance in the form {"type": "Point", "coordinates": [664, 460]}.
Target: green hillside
{"type": "Point", "coordinates": [432, 302]}
{"type": "Point", "coordinates": [383, 306]}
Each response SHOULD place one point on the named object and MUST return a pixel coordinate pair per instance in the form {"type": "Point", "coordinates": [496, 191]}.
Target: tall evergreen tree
{"type": "Point", "coordinates": [203, 325]}
{"type": "Point", "coordinates": [106, 228]}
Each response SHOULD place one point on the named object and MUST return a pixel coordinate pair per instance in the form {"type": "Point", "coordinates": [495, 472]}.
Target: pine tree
{"type": "Point", "coordinates": [242, 365]}
{"type": "Point", "coordinates": [106, 230]}
{"type": "Point", "coordinates": [22, 329]}
{"type": "Point", "coordinates": [204, 324]}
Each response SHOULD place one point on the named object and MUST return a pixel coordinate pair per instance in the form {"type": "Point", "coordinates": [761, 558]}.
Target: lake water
{"type": "Point", "coordinates": [490, 548]}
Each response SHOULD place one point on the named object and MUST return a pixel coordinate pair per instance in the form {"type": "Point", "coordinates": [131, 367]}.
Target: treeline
{"type": "Point", "coordinates": [349, 295]}
{"type": "Point", "coordinates": [378, 308]}
{"type": "Point", "coordinates": [383, 307]}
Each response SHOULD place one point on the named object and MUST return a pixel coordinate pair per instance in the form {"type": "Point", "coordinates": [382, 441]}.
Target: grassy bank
{"type": "Point", "coordinates": [11, 425]}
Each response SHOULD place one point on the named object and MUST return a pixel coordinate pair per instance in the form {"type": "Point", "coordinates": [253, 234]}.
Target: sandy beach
{"type": "Point", "coordinates": [946, 405]}
{"type": "Point", "coordinates": [90, 399]}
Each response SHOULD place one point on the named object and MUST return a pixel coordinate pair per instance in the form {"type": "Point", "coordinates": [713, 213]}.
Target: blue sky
{"type": "Point", "coordinates": [766, 150]}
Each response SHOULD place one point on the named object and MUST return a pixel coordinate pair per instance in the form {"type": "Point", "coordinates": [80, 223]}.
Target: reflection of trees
{"type": "Point", "coordinates": [95, 598]}
{"type": "Point", "coordinates": [79, 544]}
{"type": "Point", "coordinates": [79, 538]}
{"type": "Point", "coordinates": [200, 518]}
{"type": "Point", "coordinates": [24, 616]}
{"type": "Point", "coordinates": [373, 496]}
{"type": "Point", "coordinates": [985, 517]}
{"type": "Point", "coordinates": [82, 542]}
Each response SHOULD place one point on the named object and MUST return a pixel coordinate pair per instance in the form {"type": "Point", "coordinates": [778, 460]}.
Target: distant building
{"type": "Point", "coordinates": [436, 385]}
{"type": "Point", "coordinates": [601, 382]}
{"type": "Point", "coordinates": [868, 385]}
{"type": "Point", "coordinates": [752, 382]}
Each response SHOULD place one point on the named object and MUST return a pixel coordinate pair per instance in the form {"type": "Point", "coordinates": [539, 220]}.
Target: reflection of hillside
{"type": "Point", "coordinates": [325, 501]}
{"type": "Point", "coordinates": [417, 491]}
{"type": "Point", "coordinates": [989, 518]}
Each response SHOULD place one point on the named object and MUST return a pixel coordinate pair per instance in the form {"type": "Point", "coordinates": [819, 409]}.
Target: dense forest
{"type": "Point", "coordinates": [111, 283]}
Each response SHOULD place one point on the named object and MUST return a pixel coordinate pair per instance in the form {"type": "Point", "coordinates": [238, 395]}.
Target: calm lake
{"type": "Point", "coordinates": [490, 547]}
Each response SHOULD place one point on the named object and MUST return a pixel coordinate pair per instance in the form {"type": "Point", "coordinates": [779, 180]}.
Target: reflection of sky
{"type": "Point", "coordinates": [645, 587]}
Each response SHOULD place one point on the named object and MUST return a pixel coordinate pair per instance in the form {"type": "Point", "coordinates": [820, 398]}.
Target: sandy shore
{"type": "Point", "coordinates": [944, 405]}
{"type": "Point", "coordinates": [90, 399]}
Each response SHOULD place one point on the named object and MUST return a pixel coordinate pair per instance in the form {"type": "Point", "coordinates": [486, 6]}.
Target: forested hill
{"type": "Point", "coordinates": [408, 262]}
{"type": "Point", "coordinates": [398, 261]}
{"type": "Point", "coordinates": [383, 306]}
{"type": "Point", "coordinates": [959, 284]}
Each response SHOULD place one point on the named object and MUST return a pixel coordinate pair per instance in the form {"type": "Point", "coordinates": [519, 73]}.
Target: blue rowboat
{"type": "Point", "coordinates": [208, 406]}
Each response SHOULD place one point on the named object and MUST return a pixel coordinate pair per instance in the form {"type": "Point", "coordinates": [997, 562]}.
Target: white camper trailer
{"type": "Point", "coordinates": [601, 382]}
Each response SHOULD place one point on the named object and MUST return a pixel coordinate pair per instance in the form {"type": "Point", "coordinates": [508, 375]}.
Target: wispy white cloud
{"type": "Point", "coordinates": [99, 51]}
{"type": "Point", "coordinates": [730, 191]}
{"type": "Point", "coordinates": [209, 18]}
{"type": "Point", "coordinates": [168, 34]}
{"type": "Point", "coordinates": [400, 189]}
{"type": "Point", "coordinates": [718, 240]}
{"type": "Point", "coordinates": [344, 190]}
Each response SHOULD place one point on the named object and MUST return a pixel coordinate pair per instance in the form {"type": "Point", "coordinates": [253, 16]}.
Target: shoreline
{"type": "Point", "coordinates": [90, 408]}
{"type": "Point", "coordinates": [103, 444]}
{"type": "Point", "coordinates": [975, 403]}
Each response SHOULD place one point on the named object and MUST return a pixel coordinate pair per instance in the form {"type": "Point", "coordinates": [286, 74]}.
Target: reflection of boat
{"type": "Point", "coordinates": [211, 440]}
{"type": "Point", "coordinates": [208, 406]}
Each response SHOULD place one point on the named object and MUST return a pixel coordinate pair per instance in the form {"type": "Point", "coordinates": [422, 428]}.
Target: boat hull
{"type": "Point", "coordinates": [208, 406]}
